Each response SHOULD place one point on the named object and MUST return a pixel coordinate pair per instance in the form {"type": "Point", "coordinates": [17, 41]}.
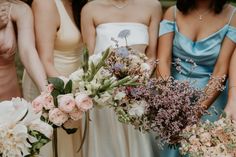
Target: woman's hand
{"type": "Point", "coordinates": [230, 110]}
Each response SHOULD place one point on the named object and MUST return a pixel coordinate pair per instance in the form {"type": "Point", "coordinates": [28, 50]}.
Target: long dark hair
{"type": "Point", "coordinates": [77, 6]}
{"type": "Point", "coordinates": [186, 5]}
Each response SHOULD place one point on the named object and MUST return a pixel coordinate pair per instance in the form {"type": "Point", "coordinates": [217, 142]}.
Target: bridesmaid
{"type": "Point", "coordinates": [18, 32]}
{"type": "Point", "coordinates": [102, 20]}
{"type": "Point", "coordinates": [192, 29]}
{"type": "Point", "coordinates": [230, 108]}
{"type": "Point", "coordinates": [59, 44]}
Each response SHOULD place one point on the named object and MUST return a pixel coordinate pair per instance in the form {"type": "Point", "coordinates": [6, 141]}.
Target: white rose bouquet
{"type": "Point", "coordinates": [22, 132]}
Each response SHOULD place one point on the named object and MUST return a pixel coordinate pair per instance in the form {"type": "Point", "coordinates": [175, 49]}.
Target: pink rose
{"type": "Point", "coordinates": [76, 114]}
{"type": "Point", "coordinates": [44, 100]}
{"type": "Point", "coordinates": [83, 102]}
{"type": "Point", "coordinates": [57, 117]}
{"type": "Point", "coordinates": [37, 104]}
{"type": "Point", "coordinates": [50, 88]}
{"type": "Point", "coordinates": [66, 103]}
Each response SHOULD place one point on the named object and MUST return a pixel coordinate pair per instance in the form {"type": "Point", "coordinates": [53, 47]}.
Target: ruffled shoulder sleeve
{"type": "Point", "coordinates": [166, 26]}
{"type": "Point", "coordinates": [231, 34]}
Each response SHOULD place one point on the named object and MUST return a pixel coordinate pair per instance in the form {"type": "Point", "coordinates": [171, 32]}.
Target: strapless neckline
{"type": "Point", "coordinates": [122, 23]}
{"type": "Point", "coordinates": [106, 33]}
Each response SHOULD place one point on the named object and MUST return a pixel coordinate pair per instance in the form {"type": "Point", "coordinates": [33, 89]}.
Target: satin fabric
{"type": "Point", "coordinates": [107, 137]}
{"type": "Point", "coordinates": [9, 86]}
{"type": "Point", "coordinates": [67, 55]}
{"type": "Point", "coordinates": [204, 53]}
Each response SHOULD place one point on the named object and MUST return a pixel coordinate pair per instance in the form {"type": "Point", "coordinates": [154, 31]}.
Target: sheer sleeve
{"type": "Point", "coordinates": [167, 26]}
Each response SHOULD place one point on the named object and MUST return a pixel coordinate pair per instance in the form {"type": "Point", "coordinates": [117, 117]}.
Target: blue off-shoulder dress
{"type": "Point", "coordinates": [204, 53]}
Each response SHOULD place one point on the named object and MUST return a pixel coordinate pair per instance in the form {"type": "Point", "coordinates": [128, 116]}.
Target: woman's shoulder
{"type": "Point", "coordinates": [94, 7]}
{"type": "Point", "coordinates": [170, 13]}
{"type": "Point", "coordinates": [231, 14]}
{"type": "Point", "coordinates": [20, 9]}
{"type": "Point", "coordinates": [44, 5]}
{"type": "Point", "coordinates": [95, 4]}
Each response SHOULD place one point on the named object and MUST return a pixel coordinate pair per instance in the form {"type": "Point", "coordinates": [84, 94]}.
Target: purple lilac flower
{"type": "Point", "coordinates": [124, 33]}
{"type": "Point", "coordinates": [122, 52]}
{"type": "Point", "coordinates": [118, 67]}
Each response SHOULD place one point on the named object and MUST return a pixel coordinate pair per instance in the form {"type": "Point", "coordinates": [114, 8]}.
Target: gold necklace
{"type": "Point", "coordinates": [120, 6]}
{"type": "Point", "coordinates": [200, 16]}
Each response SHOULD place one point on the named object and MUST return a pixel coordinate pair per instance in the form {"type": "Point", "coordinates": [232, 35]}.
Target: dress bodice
{"type": "Point", "coordinates": [203, 52]}
{"type": "Point", "coordinates": [68, 37]}
{"type": "Point", "coordinates": [138, 35]}
{"type": "Point", "coordinates": [68, 43]}
{"type": "Point", "coordinates": [7, 44]}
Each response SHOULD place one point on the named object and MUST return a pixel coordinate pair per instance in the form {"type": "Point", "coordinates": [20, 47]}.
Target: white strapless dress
{"type": "Point", "coordinates": [107, 137]}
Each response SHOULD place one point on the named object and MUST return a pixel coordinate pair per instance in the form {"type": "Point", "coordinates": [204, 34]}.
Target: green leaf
{"type": "Point", "coordinates": [224, 115]}
{"type": "Point", "coordinates": [68, 87]}
{"type": "Point", "coordinates": [57, 83]}
{"type": "Point", "coordinates": [105, 54]}
{"type": "Point", "coordinates": [93, 69]}
{"type": "Point", "coordinates": [55, 93]}
{"type": "Point", "coordinates": [105, 86]}
{"type": "Point", "coordinates": [100, 64]}
{"type": "Point", "coordinates": [85, 64]}
{"type": "Point", "coordinates": [121, 82]}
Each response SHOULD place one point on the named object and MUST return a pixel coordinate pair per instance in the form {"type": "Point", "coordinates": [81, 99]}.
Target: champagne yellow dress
{"type": "Point", "coordinates": [67, 54]}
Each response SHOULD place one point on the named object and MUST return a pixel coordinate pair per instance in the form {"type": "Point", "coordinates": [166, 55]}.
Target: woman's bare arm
{"type": "Point", "coordinates": [47, 22]}
{"type": "Point", "coordinates": [21, 14]}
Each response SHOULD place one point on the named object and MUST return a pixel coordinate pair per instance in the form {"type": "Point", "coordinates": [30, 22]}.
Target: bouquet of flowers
{"type": "Point", "coordinates": [165, 107]}
{"type": "Point", "coordinates": [22, 132]}
{"type": "Point", "coordinates": [60, 107]}
{"type": "Point", "coordinates": [102, 74]}
{"type": "Point", "coordinates": [94, 83]}
{"type": "Point", "coordinates": [207, 139]}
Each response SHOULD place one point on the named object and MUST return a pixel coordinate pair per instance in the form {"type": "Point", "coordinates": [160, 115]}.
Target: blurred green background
{"type": "Point", "coordinates": [165, 4]}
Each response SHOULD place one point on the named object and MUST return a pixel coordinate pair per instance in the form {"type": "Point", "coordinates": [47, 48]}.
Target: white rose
{"type": "Point", "coordinates": [138, 108]}
{"type": "Point", "coordinates": [41, 127]}
{"type": "Point", "coordinates": [104, 99]}
{"type": "Point", "coordinates": [119, 96]}
{"type": "Point", "coordinates": [77, 75]}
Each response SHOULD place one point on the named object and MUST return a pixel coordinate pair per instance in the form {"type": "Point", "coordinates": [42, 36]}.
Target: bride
{"type": "Point", "coordinates": [101, 21]}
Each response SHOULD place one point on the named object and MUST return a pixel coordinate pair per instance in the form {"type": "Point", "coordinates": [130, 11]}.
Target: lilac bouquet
{"type": "Point", "coordinates": [174, 106]}
{"type": "Point", "coordinates": [210, 139]}
{"type": "Point", "coordinates": [165, 107]}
